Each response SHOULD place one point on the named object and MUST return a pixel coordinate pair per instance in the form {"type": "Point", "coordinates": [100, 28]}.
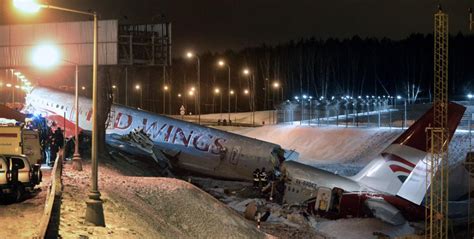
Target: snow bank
{"type": "Point", "coordinates": [339, 149]}
{"type": "Point", "coordinates": [318, 145]}
{"type": "Point", "coordinates": [149, 207]}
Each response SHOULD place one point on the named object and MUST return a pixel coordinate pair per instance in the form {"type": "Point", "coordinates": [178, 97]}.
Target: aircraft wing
{"type": "Point", "coordinates": [138, 143]}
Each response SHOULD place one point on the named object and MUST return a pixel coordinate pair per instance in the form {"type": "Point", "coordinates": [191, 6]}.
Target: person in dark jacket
{"type": "Point", "coordinates": [59, 138]}
{"type": "Point", "coordinates": [53, 148]}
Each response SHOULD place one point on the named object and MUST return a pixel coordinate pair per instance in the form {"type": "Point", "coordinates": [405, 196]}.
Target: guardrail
{"type": "Point", "coordinates": [54, 194]}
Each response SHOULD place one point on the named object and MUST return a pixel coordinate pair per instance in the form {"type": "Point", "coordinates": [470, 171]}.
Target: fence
{"type": "Point", "coordinates": [375, 113]}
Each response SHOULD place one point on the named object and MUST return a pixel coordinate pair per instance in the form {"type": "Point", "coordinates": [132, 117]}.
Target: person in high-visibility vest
{"type": "Point", "coordinates": [256, 178]}
{"type": "Point", "coordinates": [263, 178]}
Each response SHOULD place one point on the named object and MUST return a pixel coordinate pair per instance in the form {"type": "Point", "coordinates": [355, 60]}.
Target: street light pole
{"type": "Point", "coordinates": [405, 114]}
{"type": "Point", "coordinates": [76, 158]}
{"type": "Point", "coordinates": [221, 105]}
{"type": "Point", "coordinates": [166, 89]}
{"type": "Point", "coordinates": [94, 211]}
{"type": "Point", "coordinates": [116, 94]}
{"type": "Point", "coordinates": [217, 91]}
{"type": "Point", "coordinates": [252, 92]}
{"type": "Point", "coordinates": [228, 95]}
{"type": "Point", "coordinates": [198, 95]}
{"type": "Point", "coordinates": [164, 101]}
{"type": "Point", "coordinates": [253, 99]}
{"type": "Point", "coordinates": [231, 92]}
{"type": "Point", "coordinates": [221, 64]}
{"type": "Point", "coordinates": [199, 89]}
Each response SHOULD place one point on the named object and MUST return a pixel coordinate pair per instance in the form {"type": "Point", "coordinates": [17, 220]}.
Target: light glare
{"type": "Point", "coordinates": [28, 6]}
{"type": "Point", "coordinates": [46, 56]}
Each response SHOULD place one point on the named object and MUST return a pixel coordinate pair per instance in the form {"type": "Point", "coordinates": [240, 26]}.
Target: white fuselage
{"type": "Point", "coordinates": [201, 149]}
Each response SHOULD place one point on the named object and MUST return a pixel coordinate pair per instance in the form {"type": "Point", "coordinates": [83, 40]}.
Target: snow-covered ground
{"type": "Point", "coordinates": [137, 206]}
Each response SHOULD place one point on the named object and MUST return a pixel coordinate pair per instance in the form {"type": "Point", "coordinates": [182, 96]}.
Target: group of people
{"type": "Point", "coordinates": [224, 122]}
{"type": "Point", "coordinates": [260, 179]}
{"type": "Point", "coordinates": [269, 184]}
{"type": "Point", "coordinates": [51, 143]}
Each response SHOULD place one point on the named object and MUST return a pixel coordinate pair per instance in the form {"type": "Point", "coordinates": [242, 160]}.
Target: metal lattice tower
{"type": "Point", "coordinates": [437, 136]}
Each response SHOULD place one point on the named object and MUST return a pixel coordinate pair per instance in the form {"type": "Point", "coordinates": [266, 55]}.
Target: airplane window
{"type": "Point", "coordinates": [57, 106]}
{"type": "Point", "coordinates": [62, 107]}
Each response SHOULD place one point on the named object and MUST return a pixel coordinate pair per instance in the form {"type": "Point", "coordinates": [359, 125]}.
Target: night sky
{"type": "Point", "coordinates": [234, 24]}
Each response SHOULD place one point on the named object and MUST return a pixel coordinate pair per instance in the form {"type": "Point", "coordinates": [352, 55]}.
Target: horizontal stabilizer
{"type": "Point", "coordinates": [414, 188]}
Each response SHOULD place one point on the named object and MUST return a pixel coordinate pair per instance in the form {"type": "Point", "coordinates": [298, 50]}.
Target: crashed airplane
{"type": "Point", "coordinates": [390, 188]}
{"type": "Point", "coordinates": [171, 142]}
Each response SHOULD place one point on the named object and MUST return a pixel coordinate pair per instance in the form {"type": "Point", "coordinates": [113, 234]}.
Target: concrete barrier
{"type": "Point", "coordinates": [52, 197]}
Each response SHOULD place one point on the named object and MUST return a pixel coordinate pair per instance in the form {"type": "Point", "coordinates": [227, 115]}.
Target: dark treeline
{"type": "Point", "coordinates": [331, 67]}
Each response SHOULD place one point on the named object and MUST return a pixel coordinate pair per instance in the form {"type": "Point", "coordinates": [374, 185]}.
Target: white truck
{"type": "Point", "coordinates": [17, 176]}
{"type": "Point", "coordinates": [17, 141]}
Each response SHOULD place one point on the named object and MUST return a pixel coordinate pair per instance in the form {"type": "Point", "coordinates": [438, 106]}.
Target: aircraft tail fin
{"type": "Point", "coordinates": [397, 162]}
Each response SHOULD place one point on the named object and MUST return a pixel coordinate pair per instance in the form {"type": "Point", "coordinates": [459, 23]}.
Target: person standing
{"type": "Point", "coordinates": [46, 144]}
{"type": "Point", "coordinates": [263, 179]}
{"type": "Point", "coordinates": [59, 138]}
{"type": "Point", "coordinates": [256, 178]}
{"type": "Point", "coordinates": [53, 148]}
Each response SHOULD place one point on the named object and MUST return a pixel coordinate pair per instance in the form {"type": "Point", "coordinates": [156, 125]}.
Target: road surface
{"type": "Point", "coordinates": [21, 220]}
